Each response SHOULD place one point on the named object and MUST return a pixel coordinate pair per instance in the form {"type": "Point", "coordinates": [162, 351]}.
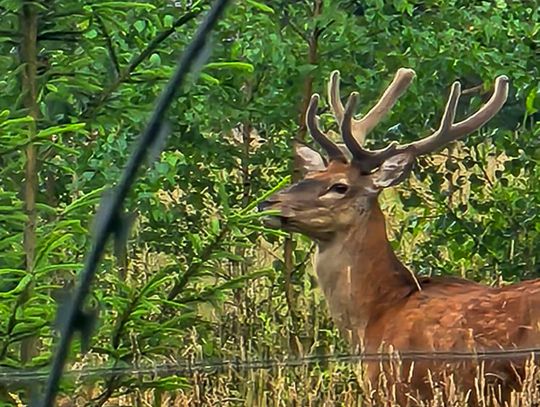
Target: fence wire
{"type": "Point", "coordinates": [188, 368]}
{"type": "Point", "coordinates": [110, 220]}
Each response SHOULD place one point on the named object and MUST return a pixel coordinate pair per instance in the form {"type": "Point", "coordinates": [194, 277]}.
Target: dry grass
{"type": "Point", "coordinates": [333, 384]}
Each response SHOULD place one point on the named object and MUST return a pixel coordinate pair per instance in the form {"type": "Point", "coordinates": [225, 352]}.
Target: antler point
{"type": "Point", "coordinates": [407, 72]}
{"type": "Point", "coordinates": [351, 102]}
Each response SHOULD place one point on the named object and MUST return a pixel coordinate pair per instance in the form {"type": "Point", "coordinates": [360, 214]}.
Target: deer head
{"type": "Point", "coordinates": [342, 191]}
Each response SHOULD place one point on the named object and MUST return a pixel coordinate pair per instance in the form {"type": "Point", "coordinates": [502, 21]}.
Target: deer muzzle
{"type": "Point", "coordinates": [275, 221]}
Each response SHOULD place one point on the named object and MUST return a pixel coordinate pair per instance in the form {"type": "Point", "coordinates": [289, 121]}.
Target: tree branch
{"type": "Point", "coordinates": [29, 54]}
{"type": "Point", "coordinates": [99, 100]}
{"type": "Point", "coordinates": [59, 35]}
{"type": "Point", "coordinates": [195, 266]}
{"type": "Point", "coordinates": [10, 34]}
{"type": "Point", "coordinates": [110, 46]}
{"type": "Point", "coordinates": [298, 31]}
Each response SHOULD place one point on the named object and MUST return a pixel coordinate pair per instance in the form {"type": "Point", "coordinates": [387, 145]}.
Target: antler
{"type": "Point", "coordinates": [361, 128]}
{"type": "Point", "coordinates": [355, 131]}
{"type": "Point", "coordinates": [447, 132]}
{"type": "Point", "coordinates": [365, 159]}
{"type": "Point", "coordinates": [312, 122]}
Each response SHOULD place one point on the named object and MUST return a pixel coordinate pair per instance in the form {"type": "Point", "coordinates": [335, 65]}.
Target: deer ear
{"type": "Point", "coordinates": [310, 160]}
{"type": "Point", "coordinates": [393, 170]}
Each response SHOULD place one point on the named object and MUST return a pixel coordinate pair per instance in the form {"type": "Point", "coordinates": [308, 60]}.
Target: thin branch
{"type": "Point", "coordinates": [60, 35]}
{"type": "Point", "coordinates": [109, 43]}
{"type": "Point", "coordinates": [297, 30]}
{"type": "Point", "coordinates": [11, 34]}
{"type": "Point", "coordinates": [99, 100]}
{"type": "Point", "coordinates": [474, 236]}
{"type": "Point", "coordinates": [320, 30]}
{"type": "Point", "coordinates": [12, 322]}
{"type": "Point", "coordinates": [28, 25]}
{"type": "Point", "coordinates": [478, 89]}
{"type": "Point", "coordinates": [195, 266]}
{"type": "Point", "coordinates": [112, 382]}
{"type": "Point", "coordinates": [183, 20]}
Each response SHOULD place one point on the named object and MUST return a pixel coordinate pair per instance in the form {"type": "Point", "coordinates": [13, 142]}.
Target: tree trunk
{"type": "Point", "coordinates": [28, 24]}
{"type": "Point", "coordinates": [288, 249]}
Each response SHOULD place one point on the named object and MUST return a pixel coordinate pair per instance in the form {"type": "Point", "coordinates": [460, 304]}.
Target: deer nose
{"type": "Point", "coordinates": [262, 206]}
{"type": "Point", "coordinates": [268, 203]}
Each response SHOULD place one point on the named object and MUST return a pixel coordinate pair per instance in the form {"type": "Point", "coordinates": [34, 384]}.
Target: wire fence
{"type": "Point", "coordinates": [188, 368]}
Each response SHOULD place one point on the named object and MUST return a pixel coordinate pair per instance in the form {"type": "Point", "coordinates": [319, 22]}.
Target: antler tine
{"type": "Point", "coordinates": [450, 110]}
{"type": "Point", "coordinates": [449, 131]}
{"type": "Point", "coordinates": [364, 159]}
{"type": "Point", "coordinates": [399, 84]}
{"type": "Point", "coordinates": [312, 122]}
{"type": "Point", "coordinates": [334, 98]}
{"type": "Point", "coordinates": [361, 128]}
{"type": "Point", "coordinates": [346, 128]}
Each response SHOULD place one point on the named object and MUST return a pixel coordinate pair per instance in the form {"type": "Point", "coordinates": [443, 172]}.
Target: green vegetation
{"type": "Point", "coordinates": [199, 277]}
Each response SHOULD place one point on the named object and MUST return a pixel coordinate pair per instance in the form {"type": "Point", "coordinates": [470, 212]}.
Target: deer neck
{"type": "Point", "coordinates": [360, 275]}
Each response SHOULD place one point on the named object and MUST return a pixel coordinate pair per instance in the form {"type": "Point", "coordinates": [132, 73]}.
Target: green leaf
{"type": "Point", "coordinates": [170, 383]}
{"type": "Point", "coordinates": [209, 79]}
{"type": "Point", "coordinates": [264, 196]}
{"type": "Point", "coordinates": [91, 34]}
{"type": "Point", "coordinates": [530, 102]}
{"type": "Point", "coordinates": [46, 208]}
{"type": "Point", "coordinates": [12, 271]}
{"type": "Point", "coordinates": [261, 6]}
{"type": "Point", "coordinates": [122, 5]}
{"type": "Point", "coordinates": [140, 25]}
{"type": "Point", "coordinates": [20, 120]}
{"type": "Point", "coordinates": [157, 281]}
{"type": "Point", "coordinates": [22, 284]}
{"type": "Point", "coordinates": [53, 241]}
{"type": "Point", "coordinates": [51, 87]}
{"type": "Point", "coordinates": [214, 226]}
{"type": "Point", "coordinates": [86, 200]}
{"type": "Point", "coordinates": [155, 59]}
{"type": "Point", "coordinates": [60, 129]}
{"type": "Point", "coordinates": [241, 66]}
{"type": "Point", "coordinates": [57, 267]}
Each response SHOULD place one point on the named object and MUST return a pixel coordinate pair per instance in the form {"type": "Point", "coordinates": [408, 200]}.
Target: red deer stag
{"type": "Point", "coordinates": [371, 295]}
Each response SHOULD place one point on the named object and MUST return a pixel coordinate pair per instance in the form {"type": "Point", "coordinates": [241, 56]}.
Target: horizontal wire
{"type": "Point", "coordinates": [187, 368]}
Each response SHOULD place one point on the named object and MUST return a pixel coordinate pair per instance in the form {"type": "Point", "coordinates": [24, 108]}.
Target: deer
{"type": "Point", "coordinates": [373, 298]}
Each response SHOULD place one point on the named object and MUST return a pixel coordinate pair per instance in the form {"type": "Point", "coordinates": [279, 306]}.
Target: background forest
{"type": "Point", "coordinates": [199, 277]}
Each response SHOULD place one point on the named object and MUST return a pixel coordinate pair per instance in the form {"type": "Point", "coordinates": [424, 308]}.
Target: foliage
{"type": "Point", "coordinates": [199, 277]}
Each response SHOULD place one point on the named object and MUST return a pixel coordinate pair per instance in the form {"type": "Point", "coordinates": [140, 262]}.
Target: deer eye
{"type": "Point", "coordinates": [339, 188]}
